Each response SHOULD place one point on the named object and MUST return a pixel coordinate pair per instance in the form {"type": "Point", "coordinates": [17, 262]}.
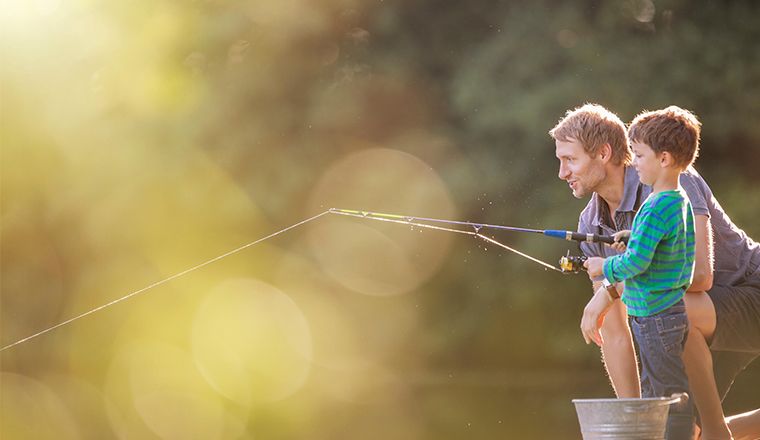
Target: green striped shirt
{"type": "Point", "coordinates": [658, 264]}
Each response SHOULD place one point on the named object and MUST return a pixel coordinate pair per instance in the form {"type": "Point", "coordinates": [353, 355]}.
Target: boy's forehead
{"type": "Point", "coordinates": [639, 145]}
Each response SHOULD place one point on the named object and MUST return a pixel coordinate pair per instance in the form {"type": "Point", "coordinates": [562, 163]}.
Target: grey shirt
{"type": "Point", "coordinates": [737, 256]}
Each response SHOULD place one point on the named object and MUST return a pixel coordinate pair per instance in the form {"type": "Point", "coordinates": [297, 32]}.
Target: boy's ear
{"type": "Point", "coordinates": [666, 159]}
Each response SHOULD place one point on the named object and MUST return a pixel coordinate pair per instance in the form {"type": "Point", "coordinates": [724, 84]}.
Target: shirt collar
{"type": "Point", "coordinates": [631, 191]}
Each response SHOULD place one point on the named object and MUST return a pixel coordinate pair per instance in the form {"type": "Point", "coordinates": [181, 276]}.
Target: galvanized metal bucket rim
{"type": "Point", "coordinates": [662, 400]}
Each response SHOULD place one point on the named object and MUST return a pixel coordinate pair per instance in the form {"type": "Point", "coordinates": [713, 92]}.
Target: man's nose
{"type": "Point", "coordinates": [563, 173]}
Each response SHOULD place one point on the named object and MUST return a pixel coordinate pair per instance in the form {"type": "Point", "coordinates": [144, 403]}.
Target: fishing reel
{"type": "Point", "coordinates": [572, 263]}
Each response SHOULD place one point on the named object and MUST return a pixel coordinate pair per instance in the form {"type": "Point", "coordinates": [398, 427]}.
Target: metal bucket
{"type": "Point", "coordinates": [624, 419]}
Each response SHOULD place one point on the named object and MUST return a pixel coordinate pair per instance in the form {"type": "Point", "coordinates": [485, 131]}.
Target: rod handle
{"type": "Point", "coordinates": [579, 236]}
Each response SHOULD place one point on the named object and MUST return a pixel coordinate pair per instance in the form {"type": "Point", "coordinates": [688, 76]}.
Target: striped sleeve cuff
{"type": "Point", "coordinates": [607, 270]}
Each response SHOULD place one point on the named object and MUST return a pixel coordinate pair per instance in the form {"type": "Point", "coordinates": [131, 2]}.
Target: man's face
{"type": "Point", "coordinates": [582, 172]}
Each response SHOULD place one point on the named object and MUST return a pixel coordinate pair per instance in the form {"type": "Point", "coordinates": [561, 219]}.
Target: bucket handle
{"type": "Point", "coordinates": [677, 398]}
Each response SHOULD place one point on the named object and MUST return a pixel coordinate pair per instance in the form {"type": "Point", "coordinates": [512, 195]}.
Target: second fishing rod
{"type": "Point", "coordinates": [556, 233]}
{"type": "Point", "coordinates": [567, 263]}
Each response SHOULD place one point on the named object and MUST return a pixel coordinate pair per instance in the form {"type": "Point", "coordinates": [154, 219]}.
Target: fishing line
{"type": "Point", "coordinates": [373, 216]}
{"type": "Point", "coordinates": [547, 265]}
{"type": "Point", "coordinates": [158, 283]}
{"type": "Point", "coordinates": [403, 220]}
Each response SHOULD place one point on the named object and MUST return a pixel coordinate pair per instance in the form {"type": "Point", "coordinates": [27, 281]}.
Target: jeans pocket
{"type": "Point", "coordinates": [672, 330]}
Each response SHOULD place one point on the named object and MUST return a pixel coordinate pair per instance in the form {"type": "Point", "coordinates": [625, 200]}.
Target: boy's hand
{"type": "Point", "coordinates": [594, 266]}
{"type": "Point", "coordinates": [593, 316]}
{"type": "Point", "coordinates": [618, 245]}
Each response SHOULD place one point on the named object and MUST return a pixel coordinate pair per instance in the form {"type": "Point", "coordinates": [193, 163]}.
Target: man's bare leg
{"type": "Point", "coordinates": [699, 366]}
{"type": "Point", "coordinates": [618, 353]}
{"type": "Point", "coordinates": [745, 426]}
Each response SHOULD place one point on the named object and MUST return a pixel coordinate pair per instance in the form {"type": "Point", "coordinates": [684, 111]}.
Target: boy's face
{"type": "Point", "coordinates": [646, 162]}
{"type": "Point", "coordinates": [582, 172]}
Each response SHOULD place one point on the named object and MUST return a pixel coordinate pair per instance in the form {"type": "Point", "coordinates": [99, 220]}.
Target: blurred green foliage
{"type": "Point", "coordinates": [141, 138]}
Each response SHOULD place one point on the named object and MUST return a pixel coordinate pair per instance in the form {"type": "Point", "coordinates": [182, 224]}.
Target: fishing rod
{"type": "Point", "coordinates": [411, 222]}
{"type": "Point", "coordinates": [555, 233]}
{"type": "Point", "coordinates": [567, 264]}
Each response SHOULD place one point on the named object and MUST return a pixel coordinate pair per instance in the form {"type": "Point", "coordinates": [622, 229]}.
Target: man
{"type": "Point", "coordinates": [592, 147]}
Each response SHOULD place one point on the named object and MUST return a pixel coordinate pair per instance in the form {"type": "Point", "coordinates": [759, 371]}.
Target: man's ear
{"type": "Point", "coordinates": [605, 152]}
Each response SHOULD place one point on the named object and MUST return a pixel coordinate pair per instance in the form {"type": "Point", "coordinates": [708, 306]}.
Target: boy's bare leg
{"type": "Point", "coordinates": [745, 426]}
{"type": "Point", "coordinates": [618, 353]}
{"type": "Point", "coordinates": [699, 366]}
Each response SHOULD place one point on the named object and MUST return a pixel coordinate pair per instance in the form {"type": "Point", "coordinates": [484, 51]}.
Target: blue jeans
{"type": "Point", "coordinates": [661, 340]}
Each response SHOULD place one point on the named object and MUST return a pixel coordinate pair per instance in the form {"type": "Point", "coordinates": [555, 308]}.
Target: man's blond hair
{"type": "Point", "coordinates": [593, 126]}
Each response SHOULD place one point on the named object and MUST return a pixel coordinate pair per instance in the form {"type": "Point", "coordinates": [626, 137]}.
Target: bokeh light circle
{"type": "Point", "coordinates": [25, 402]}
{"type": "Point", "coordinates": [154, 389]}
{"type": "Point", "coordinates": [377, 258]}
{"type": "Point", "coordinates": [251, 342]}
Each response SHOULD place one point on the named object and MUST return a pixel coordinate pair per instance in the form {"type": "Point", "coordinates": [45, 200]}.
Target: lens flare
{"type": "Point", "coordinates": [251, 342]}
{"type": "Point", "coordinates": [380, 259]}
{"type": "Point", "coordinates": [25, 403]}
{"type": "Point", "coordinates": [154, 388]}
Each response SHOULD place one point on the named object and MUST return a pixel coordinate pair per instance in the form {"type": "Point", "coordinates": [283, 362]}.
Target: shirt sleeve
{"type": "Point", "coordinates": [696, 189]}
{"type": "Point", "coordinates": [648, 230]}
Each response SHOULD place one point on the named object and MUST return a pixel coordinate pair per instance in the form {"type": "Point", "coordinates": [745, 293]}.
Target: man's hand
{"type": "Point", "coordinates": [593, 316]}
{"type": "Point", "coordinates": [618, 245]}
{"type": "Point", "coordinates": [594, 266]}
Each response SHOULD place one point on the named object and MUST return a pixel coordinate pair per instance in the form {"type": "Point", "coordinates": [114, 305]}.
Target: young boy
{"type": "Point", "coordinates": [658, 264]}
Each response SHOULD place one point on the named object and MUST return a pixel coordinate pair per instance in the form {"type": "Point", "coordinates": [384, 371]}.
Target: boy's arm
{"type": "Point", "coordinates": [647, 232]}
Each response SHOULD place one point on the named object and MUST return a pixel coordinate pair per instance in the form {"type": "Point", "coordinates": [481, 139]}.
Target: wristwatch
{"type": "Point", "coordinates": [611, 290]}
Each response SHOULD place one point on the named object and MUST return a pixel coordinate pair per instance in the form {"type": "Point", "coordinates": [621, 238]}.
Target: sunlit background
{"type": "Point", "coordinates": [140, 138]}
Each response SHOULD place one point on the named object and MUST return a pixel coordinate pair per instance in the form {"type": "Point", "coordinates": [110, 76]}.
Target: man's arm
{"type": "Point", "coordinates": [618, 353]}
{"type": "Point", "coordinates": [703, 257]}
{"type": "Point", "coordinates": [699, 194]}
{"type": "Point", "coordinates": [593, 316]}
